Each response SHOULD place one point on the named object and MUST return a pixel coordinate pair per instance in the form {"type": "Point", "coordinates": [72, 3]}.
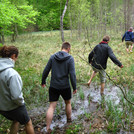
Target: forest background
{"type": "Point", "coordinates": [34, 27]}
{"type": "Point", "coordinates": [96, 16]}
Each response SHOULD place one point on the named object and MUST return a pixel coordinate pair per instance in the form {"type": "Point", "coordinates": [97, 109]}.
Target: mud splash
{"type": "Point", "coordinates": [88, 104]}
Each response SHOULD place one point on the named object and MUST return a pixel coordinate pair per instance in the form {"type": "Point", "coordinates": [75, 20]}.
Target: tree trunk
{"type": "Point", "coordinates": [128, 14]}
{"type": "Point", "coordinates": [61, 21]}
{"type": "Point", "coordinates": [70, 17]}
{"type": "Point", "coordinates": [125, 15]}
{"type": "Point", "coordinates": [15, 33]}
{"type": "Point", "coordinates": [105, 23]}
{"type": "Point", "coordinates": [2, 39]}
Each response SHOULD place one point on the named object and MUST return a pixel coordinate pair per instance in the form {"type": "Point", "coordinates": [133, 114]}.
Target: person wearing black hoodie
{"type": "Point", "coordinates": [62, 69]}
{"type": "Point", "coordinates": [98, 59]}
{"type": "Point", "coordinates": [129, 39]}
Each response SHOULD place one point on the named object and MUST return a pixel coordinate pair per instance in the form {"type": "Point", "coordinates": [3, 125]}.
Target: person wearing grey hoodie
{"type": "Point", "coordinates": [12, 105]}
{"type": "Point", "coordinates": [62, 69]}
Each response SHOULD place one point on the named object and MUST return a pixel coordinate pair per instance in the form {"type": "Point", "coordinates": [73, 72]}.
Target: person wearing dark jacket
{"type": "Point", "coordinates": [62, 68]}
{"type": "Point", "coordinates": [129, 39]}
{"type": "Point", "coordinates": [98, 59]}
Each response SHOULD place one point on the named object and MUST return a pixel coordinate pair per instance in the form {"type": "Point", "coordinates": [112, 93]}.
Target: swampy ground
{"type": "Point", "coordinates": [90, 114]}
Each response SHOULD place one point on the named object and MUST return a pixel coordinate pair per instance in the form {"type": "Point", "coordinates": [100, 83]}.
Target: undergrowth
{"type": "Point", "coordinates": [35, 50]}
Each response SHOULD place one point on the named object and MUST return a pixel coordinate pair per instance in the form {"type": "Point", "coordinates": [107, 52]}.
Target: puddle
{"type": "Point", "coordinates": [88, 104]}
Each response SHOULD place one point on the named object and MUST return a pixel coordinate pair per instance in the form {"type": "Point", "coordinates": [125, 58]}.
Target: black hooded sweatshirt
{"type": "Point", "coordinates": [62, 68]}
{"type": "Point", "coordinates": [99, 56]}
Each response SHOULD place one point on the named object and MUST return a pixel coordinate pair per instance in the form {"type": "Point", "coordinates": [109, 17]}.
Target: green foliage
{"type": "Point", "coordinates": [8, 13]}
{"type": "Point", "coordinates": [4, 124]}
{"type": "Point", "coordinates": [34, 52]}
{"type": "Point", "coordinates": [81, 14]}
{"type": "Point", "coordinates": [114, 116]}
{"type": "Point", "coordinates": [81, 94]}
{"type": "Point", "coordinates": [86, 16]}
{"type": "Point", "coordinates": [50, 12]}
{"type": "Point", "coordinates": [132, 69]}
{"type": "Point", "coordinates": [88, 115]}
{"type": "Point", "coordinates": [73, 129]}
{"type": "Point", "coordinates": [12, 13]}
{"type": "Point", "coordinates": [27, 14]}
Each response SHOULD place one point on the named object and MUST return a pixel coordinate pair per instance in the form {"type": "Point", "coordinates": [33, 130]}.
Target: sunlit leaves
{"type": "Point", "coordinates": [14, 13]}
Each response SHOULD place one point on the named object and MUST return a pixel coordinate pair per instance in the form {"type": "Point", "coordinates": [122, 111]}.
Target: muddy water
{"type": "Point", "coordinates": [80, 106]}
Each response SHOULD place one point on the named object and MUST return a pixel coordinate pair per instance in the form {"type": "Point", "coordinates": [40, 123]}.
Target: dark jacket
{"type": "Point", "coordinates": [128, 36]}
{"type": "Point", "coordinates": [99, 55]}
{"type": "Point", "coordinates": [62, 67]}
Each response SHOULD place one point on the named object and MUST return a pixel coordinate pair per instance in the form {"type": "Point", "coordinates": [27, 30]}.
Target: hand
{"type": "Point", "coordinates": [74, 92]}
{"type": "Point", "coordinates": [121, 66]}
{"type": "Point", "coordinates": [43, 85]}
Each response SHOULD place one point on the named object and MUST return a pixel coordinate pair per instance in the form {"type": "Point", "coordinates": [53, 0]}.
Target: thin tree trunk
{"type": "Point", "coordinates": [70, 16]}
{"type": "Point", "coordinates": [125, 15]}
{"type": "Point", "coordinates": [61, 21]}
{"type": "Point", "coordinates": [105, 24]}
{"type": "Point", "coordinates": [2, 39]}
{"type": "Point", "coordinates": [128, 14]}
{"type": "Point", "coordinates": [15, 33]}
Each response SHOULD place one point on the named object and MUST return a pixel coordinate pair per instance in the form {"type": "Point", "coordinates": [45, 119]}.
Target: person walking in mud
{"type": "Point", "coordinates": [98, 59]}
{"type": "Point", "coordinates": [12, 105]}
{"type": "Point", "coordinates": [129, 39]}
{"type": "Point", "coordinates": [62, 68]}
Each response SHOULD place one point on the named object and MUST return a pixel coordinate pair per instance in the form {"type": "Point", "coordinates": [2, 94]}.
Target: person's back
{"type": "Point", "coordinates": [128, 36]}
{"type": "Point", "coordinates": [98, 59]}
{"type": "Point", "coordinates": [7, 74]}
{"type": "Point", "coordinates": [62, 69]}
{"type": "Point", "coordinates": [100, 54]}
{"type": "Point", "coordinates": [61, 63]}
{"type": "Point", "coordinates": [12, 104]}
{"type": "Point", "coordinates": [129, 39]}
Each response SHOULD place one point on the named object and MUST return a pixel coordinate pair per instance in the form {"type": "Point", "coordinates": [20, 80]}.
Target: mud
{"type": "Point", "coordinates": [89, 104]}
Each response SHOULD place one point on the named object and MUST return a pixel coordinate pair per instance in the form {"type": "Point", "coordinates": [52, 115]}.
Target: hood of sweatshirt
{"type": "Point", "coordinates": [61, 56]}
{"type": "Point", "coordinates": [6, 63]}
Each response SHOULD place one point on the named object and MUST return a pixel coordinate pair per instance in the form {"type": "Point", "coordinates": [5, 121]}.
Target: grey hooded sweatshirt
{"type": "Point", "coordinates": [62, 68]}
{"type": "Point", "coordinates": [11, 95]}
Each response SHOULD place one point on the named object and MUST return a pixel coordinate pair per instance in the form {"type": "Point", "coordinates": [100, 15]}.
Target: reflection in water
{"type": "Point", "coordinates": [92, 99]}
